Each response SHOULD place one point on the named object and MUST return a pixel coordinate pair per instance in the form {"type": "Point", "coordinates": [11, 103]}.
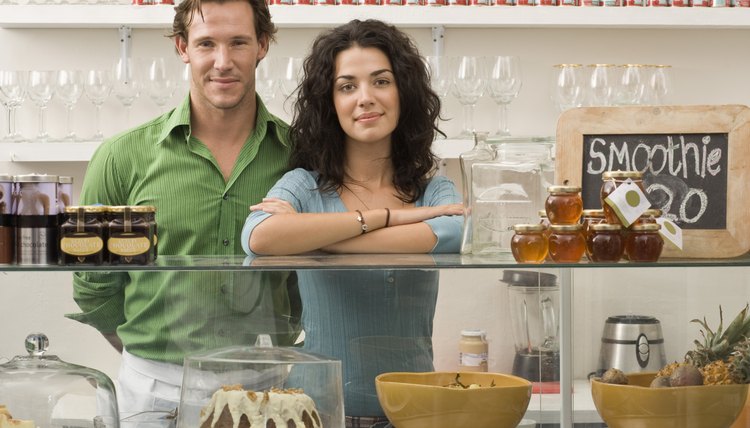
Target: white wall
{"type": "Point", "coordinates": [468, 298]}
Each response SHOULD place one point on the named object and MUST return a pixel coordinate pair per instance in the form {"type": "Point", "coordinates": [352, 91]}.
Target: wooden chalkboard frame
{"type": "Point", "coordinates": [733, 120]}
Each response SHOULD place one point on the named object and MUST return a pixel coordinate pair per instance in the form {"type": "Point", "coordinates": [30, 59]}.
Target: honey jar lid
{"type": "Point", "coordinates": [647, 227]}
{"type": "Point", "coordinates": [565, 227]}
{"type": "Point", "coordinates": [599, 213]}
{"type": "Point", "coordinates": [605, 227]}
{"type": "Point", "coordinates": [652, 212]}
{"type": "Point", "coordinates": [87, 208]}
{"type": "Point", "coordinates": [606, 175]}
{"type": "Point", "coordinates": [529, 227]}
{"type": "Point", "coordinates": [563, 189]}
{"type": "Point", "coordinates": [133, 208]}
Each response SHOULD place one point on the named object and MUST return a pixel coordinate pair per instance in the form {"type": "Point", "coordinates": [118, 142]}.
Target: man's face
{"type": "Point", "coordinates": [223, 50]}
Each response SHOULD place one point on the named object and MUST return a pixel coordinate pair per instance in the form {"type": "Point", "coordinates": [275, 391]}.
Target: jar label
{"type": "Point", "coordinates": [670, 231]}
{"type": "Point", "coordinates": [467, 359]}
{"type": "Point", "coordinates": [128, 246]}
{"type": "Point", "coordinates": [81, 246]}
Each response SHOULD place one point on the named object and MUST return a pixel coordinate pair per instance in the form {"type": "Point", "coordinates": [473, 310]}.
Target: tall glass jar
{"type": "Point", "coordinates": [481, 152]}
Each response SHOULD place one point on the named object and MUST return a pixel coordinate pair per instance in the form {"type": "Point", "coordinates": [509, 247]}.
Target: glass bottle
{"type": "Point", "coordinates": [481, 152]}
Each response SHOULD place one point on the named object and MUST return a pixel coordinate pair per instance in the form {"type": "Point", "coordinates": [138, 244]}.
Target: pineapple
{"type": "Point", "coordinates": [739, 363]}
{"type": "Point", "coordinates": [719, 345]}
{"type": "Point", "coordinates": [717, 373]}
{"type": "Point", "coordinates": [667, 370]}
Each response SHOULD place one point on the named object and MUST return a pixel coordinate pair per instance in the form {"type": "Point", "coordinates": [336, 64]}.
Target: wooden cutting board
{"type": "Point", "coordinates": [695, 160]}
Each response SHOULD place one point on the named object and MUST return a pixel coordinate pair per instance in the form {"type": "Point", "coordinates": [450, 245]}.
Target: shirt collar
{"type": "Point", "coordinates": [180, 118]}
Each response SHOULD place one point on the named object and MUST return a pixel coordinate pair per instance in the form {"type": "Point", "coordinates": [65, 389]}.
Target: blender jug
{"type": "Point", "coordinates": [534, 303]}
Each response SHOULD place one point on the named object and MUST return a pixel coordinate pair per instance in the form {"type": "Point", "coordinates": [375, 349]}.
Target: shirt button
{"type": "Point", "coordinates": [223, 289]}
{"type": "Point", "coordinates": [391, 279]}
{"type": "Point", "coordinates": [225, 197]}
{"type": "Point", "coordinates": [226, 242]}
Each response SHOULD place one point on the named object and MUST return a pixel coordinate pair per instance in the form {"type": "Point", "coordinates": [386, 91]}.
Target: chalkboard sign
{"type": "Point", "coordinates": [695, 162]}
{"type": "Point", "coordinates": [685, 175]}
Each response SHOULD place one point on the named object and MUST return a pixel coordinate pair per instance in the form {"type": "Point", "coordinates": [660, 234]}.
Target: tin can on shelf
{"type": "Point", "coordinates": [564, 204]}
{"type": "Point", "coordinates": [529, 243]}
{"type": "Point", "coordinates": [611, 180]}
{"type": "Point", "coordinates": [130, 238]}
{"type": "Point", "coordinates": [605, 243]}
{"type": "Point", "coordinates": [566, 243]}
{"type": "Point", "coordinates": [36, 219]}
{"type": "Point", "coordinates": [7, 221]}
{"type": "Point", "coordinates": [473, 351]}
{"type": "Point", "coordinates": [82, 236]}
{"type": "Point", "coordinates": [643, 243]}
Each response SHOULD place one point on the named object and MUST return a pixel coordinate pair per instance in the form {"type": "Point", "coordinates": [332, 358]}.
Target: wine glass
{"type": "Point", "coordinates": [265, 81]}
{"type": "Point", "coordinates": [98, 86]}
{"type": "Point", "coordinates": [660, 83]}
{"type": "Point", "coordinates": [41, 89]}
{"type": "Point", "coordinates": [504, 84]}
{"type": "Point", "coordinates": [12, 94]}
{"type": "Point", "coordinates": [567, 89]}
{"type": "Point", "coordinates": [438, 68]}
{"type": "Point", "coordinates": [291, 75]}
{"type": "Point", "coordinates": [468, 87]}
{"type": "Point", "coordinates": [69, 89]}
{"type": "Point", "coordinates": [126, 85]}
{"type": "Point", "coordinates": [161, 82]}
{"type": "Point", "coordinates": [601, 84]}
{"type": "Point", "coordinates": [631, 84]}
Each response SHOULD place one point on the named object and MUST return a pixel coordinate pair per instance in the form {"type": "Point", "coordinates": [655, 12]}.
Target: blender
{"type": "Point", "coordinates": [534, 302]}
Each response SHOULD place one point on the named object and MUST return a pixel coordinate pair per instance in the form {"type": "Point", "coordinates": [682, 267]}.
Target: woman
{"type": "Point", "coordinates": [362, 182]}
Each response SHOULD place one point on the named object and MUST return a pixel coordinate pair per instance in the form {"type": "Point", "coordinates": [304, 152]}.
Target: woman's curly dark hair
{"type": "Point", "coordinates": [316, 134]}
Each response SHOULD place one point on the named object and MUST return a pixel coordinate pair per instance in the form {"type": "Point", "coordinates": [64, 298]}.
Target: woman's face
{"type": "Point", "coordinates": [365, 95]}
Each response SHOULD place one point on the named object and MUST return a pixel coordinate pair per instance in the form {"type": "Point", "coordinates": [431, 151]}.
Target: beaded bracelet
{"type": "Point", "coordinates": [361, 220]}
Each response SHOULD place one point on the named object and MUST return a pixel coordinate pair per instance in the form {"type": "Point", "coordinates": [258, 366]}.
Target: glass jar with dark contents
{"type": "Point", "coordinates": [564, 204]}
{"type": "Point", "coordinates": [82, 235]}
{"type": "Point", "coordinates": [611, 180]}
{"type": "Point", "coordinates": [648, 217]}
{"type": "Point", "coordinates": [605, 243]}
{"type": "Point", "coordinates": [589, 217]}
{"type": "Point", "coordinates": [529, 243]}
{"type": "Point", "coordinates": [130, 236]}
{"type": "Point", "coordinates": [566, 243]}
{"type": "Point", "coordinates": [644, 243]}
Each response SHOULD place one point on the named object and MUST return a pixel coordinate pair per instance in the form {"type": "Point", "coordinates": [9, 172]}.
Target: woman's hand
{"type": "Point", "coordinates": [274, 206]}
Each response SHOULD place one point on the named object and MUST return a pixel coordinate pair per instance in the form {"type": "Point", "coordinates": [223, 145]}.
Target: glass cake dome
{"type": "Point", "coordinates": [46, 392]}
{"type": "Point", "coordinates": [264, 382]}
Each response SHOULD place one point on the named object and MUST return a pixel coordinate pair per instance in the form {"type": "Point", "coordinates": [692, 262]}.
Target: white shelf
{"type": "Point", "coordinates": [160, 16]}
{"type": "Point", "coordinates": [47, 152]}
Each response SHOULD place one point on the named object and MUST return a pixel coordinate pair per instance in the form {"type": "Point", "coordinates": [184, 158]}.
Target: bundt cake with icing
{"type": "Point", "coordinates": [234, 407]}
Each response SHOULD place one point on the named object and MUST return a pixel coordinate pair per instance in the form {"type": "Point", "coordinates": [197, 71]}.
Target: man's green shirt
{"type": "Point", "coordinates": [164, 315]}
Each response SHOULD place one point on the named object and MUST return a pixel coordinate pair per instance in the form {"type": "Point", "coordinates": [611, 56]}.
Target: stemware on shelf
{"type": "Point", "coordinates": [12, 93]}
{"type": "Point", "coordinates": [438, 68]}
{"type": "Point", "coordinates": [126, 85]}
{"type": "Point", "coordinates": [631, 85]}
{"type": "Point", "coordinates": [660, 83]}
{"type": "Point", "coordinates": [41, 89]}
{"type": "Point", "coordinates": [97, 88]}
{"type": "Point", "coordinates": [567, 88]}
{"type": "Point", "coordinates": [291, 75]}
{"type": "Point", "coordinates": [265, 80]}
{"type": "Point", "coordinates": [468, 87]}
{"type": "Point", "coordinates": [601, 84]}
{"type": "Point", "coordinates": [161, 82]}
{"type": "Point", "coordinates": [504, 84]}
{"type": "Point", "coordinates": [69, 89]}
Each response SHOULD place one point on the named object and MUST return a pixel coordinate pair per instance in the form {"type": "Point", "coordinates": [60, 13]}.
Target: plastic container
{"type": "Point", "coordinates": [261, 369]}
{"type": "Point", "coordinates": [52, 393]}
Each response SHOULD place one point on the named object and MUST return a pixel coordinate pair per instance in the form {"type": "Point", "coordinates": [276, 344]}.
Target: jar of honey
{"type": "Point", "coordinates": [564, 204]}
{"type": "Point", "coordinates": [644, 243]}
{"type": "Point", "coordinates": [529, 243]}
{"type": "Point", "coordinates": [566, 243]}
{"type": "Point", "coordinates": [589, 217]}
{"type": "Point", "coordinates": [82, 235]}
{"type": "Point", "coordinates": [605, 243]}
{"type": "Point", "coordinates": [611, 180]}
{"type": "Point", "coordinates": [648, 216]}
{"type": "Point", "coordinates": [130, 235]}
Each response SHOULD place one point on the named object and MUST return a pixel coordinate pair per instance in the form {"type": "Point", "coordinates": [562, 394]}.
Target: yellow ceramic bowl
{"type": "Point", "coordinates": [421, 400]}
{"type": "Point", "coordinates": [637, 406]}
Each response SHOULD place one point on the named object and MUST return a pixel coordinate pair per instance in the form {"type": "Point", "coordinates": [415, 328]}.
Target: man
{"type": "Point", "coordinates": [201, 165]}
